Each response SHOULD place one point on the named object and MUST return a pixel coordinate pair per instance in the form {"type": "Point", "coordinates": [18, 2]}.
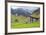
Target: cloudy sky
{"type": "Point", "coordinates": [29, 9]}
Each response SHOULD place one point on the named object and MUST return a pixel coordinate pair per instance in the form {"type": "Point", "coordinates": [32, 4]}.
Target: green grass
{"type": "Point", "coordinates": [22, 24]}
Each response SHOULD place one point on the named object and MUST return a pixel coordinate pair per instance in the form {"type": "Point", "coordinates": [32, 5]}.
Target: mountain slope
{"type": "Point", "coordinates": [20, 11]}
{"type": "Point", "coordinates": [36, 13]}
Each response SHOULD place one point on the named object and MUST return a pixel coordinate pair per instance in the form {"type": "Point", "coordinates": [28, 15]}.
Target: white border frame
{"type": "Point", "coordinates": [25, 29]}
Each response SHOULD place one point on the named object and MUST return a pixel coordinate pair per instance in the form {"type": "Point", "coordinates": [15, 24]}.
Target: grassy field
{"type": "Point", "coordinates": [21, 23]}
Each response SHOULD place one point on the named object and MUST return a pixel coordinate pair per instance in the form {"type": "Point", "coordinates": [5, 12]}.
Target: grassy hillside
{"type": "Point", "coordinates": [36, 13]}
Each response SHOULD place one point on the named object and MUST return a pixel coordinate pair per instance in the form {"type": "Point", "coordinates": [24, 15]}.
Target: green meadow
{"type": "Point", "coordinates": [23, 22]}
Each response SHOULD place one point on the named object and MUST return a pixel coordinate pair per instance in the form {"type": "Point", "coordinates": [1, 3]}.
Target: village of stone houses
{"type": "Point", "coordinates": [25, 17]}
